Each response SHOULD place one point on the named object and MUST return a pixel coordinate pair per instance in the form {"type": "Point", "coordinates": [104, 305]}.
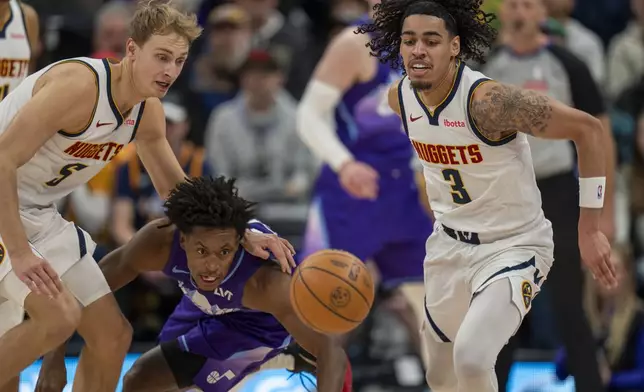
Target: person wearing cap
{"type": "Point", "coordinates": [253, 137]}
{"type": "Point", "coordinates": [214, 79]}
{"type": "Point", "coordinates": [136, 202]}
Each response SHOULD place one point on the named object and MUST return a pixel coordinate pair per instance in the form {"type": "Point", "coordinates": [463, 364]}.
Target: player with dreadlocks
{"type": "Point", "coordinates": [236, 312]}
{"type": "Point", "coordinates": [492, 247]}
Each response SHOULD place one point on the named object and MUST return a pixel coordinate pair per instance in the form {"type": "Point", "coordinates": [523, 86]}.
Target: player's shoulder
{"type": "Point", "coordinates": [76, 75]}
{"type": "Point", "coordinates": [348, 40]}
{"type": "Point", "coordinates": [393, 95]}
{"type": "Point", "coordinates": [28, 12]}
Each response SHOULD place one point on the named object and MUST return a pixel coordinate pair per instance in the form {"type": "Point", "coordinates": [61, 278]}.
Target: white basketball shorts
{"type": "Point", "coordinates": [69, 251]}
{"type": "Point", "coordinates": [456, 271]}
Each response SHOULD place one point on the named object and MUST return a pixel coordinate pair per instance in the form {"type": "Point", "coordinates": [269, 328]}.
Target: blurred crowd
{"type": "Point", "coordinates": [233, 112]}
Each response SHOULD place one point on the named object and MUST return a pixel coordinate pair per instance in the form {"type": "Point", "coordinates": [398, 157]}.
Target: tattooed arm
{"type": "Point", "coordinates": [500, 110]}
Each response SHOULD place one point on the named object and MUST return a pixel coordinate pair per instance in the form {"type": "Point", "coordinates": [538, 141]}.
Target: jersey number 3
{"type": "Point", "coordinates": [65, 172]}
{"type": "Point", "coordinates": [459, 194]}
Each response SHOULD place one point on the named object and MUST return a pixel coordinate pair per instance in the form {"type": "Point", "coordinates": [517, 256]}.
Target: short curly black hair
{"type": "Point", "coordinates": [462, 17]}
{"type": "Point", "coordinates": [208, 202]}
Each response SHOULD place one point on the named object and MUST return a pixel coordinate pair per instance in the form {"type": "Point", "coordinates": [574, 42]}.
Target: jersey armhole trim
{"type": "Point", "coordinates": [474, 127]}
{"type": "Point", "coordinates": [98, 90]}
{"type": "Point", "coordinates": [139, 116]}
{"type": "Point", "coordinates": [403, 115]}
{"type": "Point", "coordinates": [3, 28]}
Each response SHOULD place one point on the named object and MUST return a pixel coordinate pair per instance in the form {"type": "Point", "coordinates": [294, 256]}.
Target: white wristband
{"type": "Point", "coordinates": [591, 192]}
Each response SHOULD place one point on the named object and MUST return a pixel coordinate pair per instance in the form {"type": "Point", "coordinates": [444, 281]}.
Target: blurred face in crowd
{"type": "Point", "coordinates": [157, 63]}
{"type": "Point", "coordinates": [559, 8]}
{"type": "Point", "coordinates": [111, 33]}
{"type": "Point", "coordinates": [176, 132]}
{"type": "Point", "coordinates": [229, 44]}
{"type": "Point", "coordinates": [348, 10]}
{"type": "Point", "coordinates": [261, 87]}
{"type": "Point", "coordinates": [523, 17]}
{"type": "Point", "coordinates": [259, 10]}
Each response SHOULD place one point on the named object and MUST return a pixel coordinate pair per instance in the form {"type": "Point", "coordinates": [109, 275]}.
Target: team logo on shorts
{"type": "Point", "coordinates": [2, 253]}
{"type": "Point", "coordinates": [526, 293]}
{"type": "Point", "coordinates": [340, 297]}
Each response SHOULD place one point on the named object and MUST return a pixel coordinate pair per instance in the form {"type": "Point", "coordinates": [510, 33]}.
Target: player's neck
{"type": "Point", "coordinates": [124, 90]}
{"type": "Point", "coordinates": [434, 96]}
{"type": "Point", "coordinates": [523, 45]}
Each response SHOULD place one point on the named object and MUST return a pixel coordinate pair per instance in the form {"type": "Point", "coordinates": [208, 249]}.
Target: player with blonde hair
{"type": "Point", "coordinates": [58, 129]}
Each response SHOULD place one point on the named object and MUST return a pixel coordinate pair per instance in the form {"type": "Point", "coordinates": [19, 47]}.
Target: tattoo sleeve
{"type": "Point", "coordinates": [504, 110]}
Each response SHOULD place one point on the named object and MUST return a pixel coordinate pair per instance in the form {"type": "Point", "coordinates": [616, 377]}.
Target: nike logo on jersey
{"type": "Point", "coordinates": [103, 151]}
{"type": "Point", "coordinates": [100, 124]}
{"type": "Point", "coordinates": [179, 271]}
{"type": "Point", "coordinates": [412, 118]}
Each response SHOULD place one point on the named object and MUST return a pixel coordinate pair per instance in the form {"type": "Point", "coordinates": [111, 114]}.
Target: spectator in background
{"type": "Point", "coordinates": [285, 42]}
{"type": "Point", "coordinates": [529, 60]}
{"type": "Point", "coordinates": [626, 54]}
{"type": "Point", "coordinates": [215, 74]}
{"type": "Point", "coordinates": [580, 40]}
{"type": "Point", "coordinates": [136, 202]}
{"type": "Point", "coordinates": [253, 137]}
{"type": "Point", "coordinates": [617, 318]}
{"type": "Point", "coordinates": [111, 29]}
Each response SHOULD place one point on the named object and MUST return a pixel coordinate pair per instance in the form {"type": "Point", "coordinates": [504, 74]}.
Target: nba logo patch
{"type": "Point", "coordinates": [600, 191]}
{"type": "Point", "coordinates": [526, 294]}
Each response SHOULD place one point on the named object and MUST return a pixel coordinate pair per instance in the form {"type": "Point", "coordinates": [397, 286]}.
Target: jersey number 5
{"type": "Point", "coordinates": [65, 172]}
{"type": "Point", "coordinates": [459, 194]}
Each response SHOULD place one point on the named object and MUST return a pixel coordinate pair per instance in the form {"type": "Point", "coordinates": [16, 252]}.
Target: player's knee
{"type": "Point", "coordinates": [438, 379]}
{"type": "Point", "coordinates": [134, 380]}
{"type": "Point", "coordinates": [119, 337]}
{"type": "Point", "coordinates": [61, 318]}
{"type": "Point", "coordinates": [471, 359]}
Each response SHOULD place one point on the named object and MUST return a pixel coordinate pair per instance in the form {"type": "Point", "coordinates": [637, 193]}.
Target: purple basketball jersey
{"type": "Point", "coordinates": [236, 340]}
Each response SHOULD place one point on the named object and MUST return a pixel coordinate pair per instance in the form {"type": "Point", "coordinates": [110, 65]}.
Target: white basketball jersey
{"type": "Point", "coordinates": [15, 51]}
{"type": "Point", "coordinates": [474, 184]}
{"type": "Point", "coordinates": [67, 161]}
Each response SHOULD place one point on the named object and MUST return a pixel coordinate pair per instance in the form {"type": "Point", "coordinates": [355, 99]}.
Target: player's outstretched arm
{"type": "Point", "coordinates": [155, 151]}
{"type": "Point", "coordinates": [32, 23]}
{"type": "Point", "coordinates": [147, 251]}
{"type": "Point", "coordinates": [499, 110]}
{"type": "Point", "coordinates": [268, 291]}
{"type": "Point", "coordinates": [62, 100]}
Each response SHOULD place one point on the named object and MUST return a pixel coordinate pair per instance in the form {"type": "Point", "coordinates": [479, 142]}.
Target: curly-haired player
{"type": "Point", "coordinates": [235, 314]}
{"type": "Point", "coordinates": [492, 246]}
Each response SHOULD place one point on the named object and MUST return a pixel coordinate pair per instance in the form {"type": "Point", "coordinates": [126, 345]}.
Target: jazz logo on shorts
{"type": "Point", "coordinates": [526, 293]}
{"type": "Point", "coordinates": [2, 253]}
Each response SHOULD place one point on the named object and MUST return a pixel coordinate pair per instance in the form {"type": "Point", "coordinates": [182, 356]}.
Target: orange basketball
{"type": "Point", "coordinates": [332, 291]}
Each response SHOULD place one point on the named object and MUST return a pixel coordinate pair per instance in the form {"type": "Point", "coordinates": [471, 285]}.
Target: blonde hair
{"type": "Point", "coordinates": [627, 306]}
{"type": "Point", "coordinates": [154, 17]}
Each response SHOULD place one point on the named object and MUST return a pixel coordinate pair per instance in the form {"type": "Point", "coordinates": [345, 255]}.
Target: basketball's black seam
{"type": "Point", "coordinates": [322, 302]}
{"type": "Point", "coordinates": [342, 279]}
{"type": "Point", "coordinates": [297, 304]}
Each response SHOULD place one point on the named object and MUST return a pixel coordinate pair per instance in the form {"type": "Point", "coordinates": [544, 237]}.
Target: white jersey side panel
{"type": "Point", "coordinates": [67, 161]}
{"type": "Point", "coordinates": [474, 184]}
{"type": "Point", "coordinates": [15, 51]}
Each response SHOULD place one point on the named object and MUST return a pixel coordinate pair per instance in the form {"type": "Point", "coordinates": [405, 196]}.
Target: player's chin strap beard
{"type": "Point", "coordinates": [432, 89]}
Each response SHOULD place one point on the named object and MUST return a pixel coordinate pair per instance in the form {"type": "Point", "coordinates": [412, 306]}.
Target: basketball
{"type": "Point", "coordinates": [332, 291]}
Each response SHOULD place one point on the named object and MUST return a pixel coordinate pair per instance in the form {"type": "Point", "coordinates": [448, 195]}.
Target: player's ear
{"type": "Point", "coordinates": [182, 240]}
{"type": "Point", "coordinates": [455, 46]}
{"type": "Point", "coordinates": [130, 47]}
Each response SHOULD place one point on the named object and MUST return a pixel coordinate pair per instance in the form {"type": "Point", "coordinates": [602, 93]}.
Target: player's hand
{"type": "Point", "coordinates": [596, 255]}
{"type": "Point", "coordinates": [359, 180]}
{"type": "Point", "coordinates": [37, 274]}
{"type": "Point", "coordinates": [52, 376]}
{"type": "Point", "coordinates": [262, 245]}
